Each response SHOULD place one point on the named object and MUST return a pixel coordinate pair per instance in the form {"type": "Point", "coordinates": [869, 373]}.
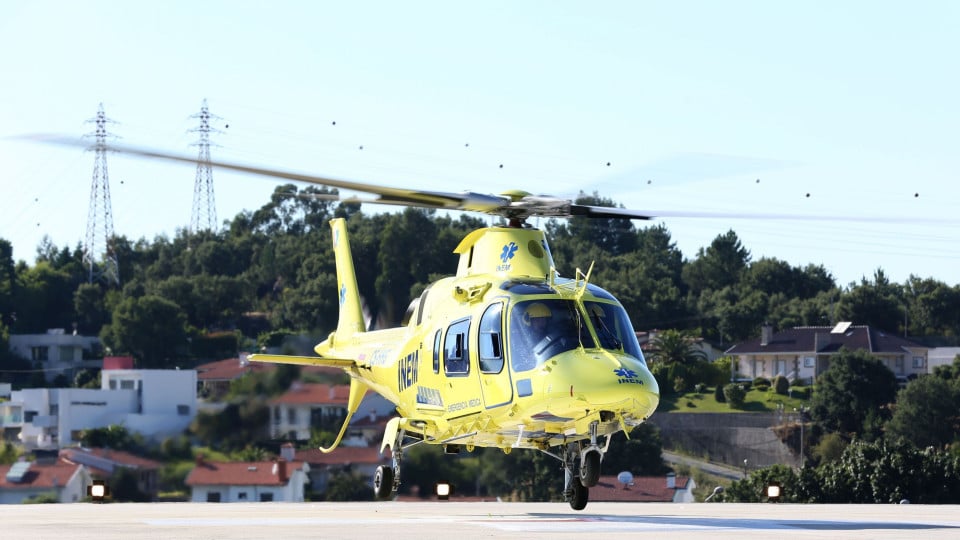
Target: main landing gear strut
{"type": "Point", "coordinates": [386, 480]}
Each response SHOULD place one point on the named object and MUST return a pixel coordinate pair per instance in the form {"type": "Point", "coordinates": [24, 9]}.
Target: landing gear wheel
{"type": "Point", "coordinates": [578, 499]}
{"type": "Point", "coordinates": [383, 483]}
{"type": "Point", "coordinates": [590, 472]}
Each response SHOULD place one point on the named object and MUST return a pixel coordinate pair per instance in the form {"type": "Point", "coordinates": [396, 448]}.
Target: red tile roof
{"type": "Point", "coordinates": [314, 394]}
{"type": "Point", "coordinates": [367, 421]}
{"type": "Point", "coordinates": [344, 455]}
{"type": "Point", "coordinates": [642, 489]}
{"type": "Point", "coordinates": [105, 460]}
{"type": "Point", "coordinates": [257, 473]}
{"type": "Point", "coordinates": [44, 476]}
{"type": "Point", "coordinates": [231, 368]}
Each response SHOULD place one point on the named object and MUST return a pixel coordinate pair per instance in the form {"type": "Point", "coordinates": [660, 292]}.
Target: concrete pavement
{"type": "Point", "coordinates": [398, 520]}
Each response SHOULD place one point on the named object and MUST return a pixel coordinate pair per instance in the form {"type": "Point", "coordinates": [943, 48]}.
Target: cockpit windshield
{"type": "Point", "coordinates": [542, 329]}
{"type": "Point", "coordinates": [613, 328]}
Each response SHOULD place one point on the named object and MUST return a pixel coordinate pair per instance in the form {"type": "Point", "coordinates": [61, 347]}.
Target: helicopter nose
{"type": "Point", "coordinates": [605, 381]}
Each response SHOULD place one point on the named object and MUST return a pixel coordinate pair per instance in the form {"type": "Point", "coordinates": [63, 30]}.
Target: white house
{"type": "Point", "coordinates": [804, 352]}
{"type": "Point", "coordinates": [259, 481]}
{"type": "Point", "coordinates": [166, 398]}
{"type": "Point", "coordinates": [306, 406]}
{"type": "Point", "coordinates": [154, 403]}
{"type": "Point", "coordinates": [57, 352]}
{"type": "Point", "coordinates": [942, 356]}
{"type": "Point", "coordinates": [28, 479]}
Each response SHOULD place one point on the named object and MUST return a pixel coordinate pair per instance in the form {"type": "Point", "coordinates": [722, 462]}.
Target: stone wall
{"type": "Point", "coordinates": [726, 437]}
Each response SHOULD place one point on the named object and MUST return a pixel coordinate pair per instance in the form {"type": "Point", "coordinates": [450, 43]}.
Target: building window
{"type": "Point", "coordinates": [113, 384]}
{"type": "Point", "coordinates": [291, 416]}
{"type": "Point", "coordinates": [242, 496]}
{"type": "Point", "coordinates": [213, 496]}
{"type": "Point", "coordinates": [809, 362]}
{"type": "Point", "coordinates": [183, 410]}
{"type": "Point", "coordinates": [918, 362]}
{"type": "Point", "coordinates": [266, 497]}
{"type": "Point", "coordinates": [40, 354]}
{"type": "Point", "coordinates": [28, 416]}
{"type": "Point", "coordinates": [67, 354]}
{"type": "Point", "coordinates": [126, 385]}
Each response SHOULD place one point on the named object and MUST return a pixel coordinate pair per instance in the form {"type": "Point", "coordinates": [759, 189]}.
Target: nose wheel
{"type": "Point", "coordinates": [590, 467]}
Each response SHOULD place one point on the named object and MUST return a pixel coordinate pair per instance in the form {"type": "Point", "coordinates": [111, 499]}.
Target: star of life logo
{"type": "Point", "coordinates": [507, 253]}
{"type": "Point", "coordinates": [627, 376]}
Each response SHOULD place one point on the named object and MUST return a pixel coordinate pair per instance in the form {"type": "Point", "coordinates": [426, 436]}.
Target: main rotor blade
{"type": "Point", "coordinates": [515, 206]}
{"type": "Point", "coordinates": [476, 202]}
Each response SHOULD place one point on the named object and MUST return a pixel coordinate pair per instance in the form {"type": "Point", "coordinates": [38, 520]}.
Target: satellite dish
{"type": "Point", "coordinates": [625, 478]}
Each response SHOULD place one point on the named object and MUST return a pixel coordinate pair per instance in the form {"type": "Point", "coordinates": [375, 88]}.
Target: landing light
{"type": "Point", "coordinates": [773, 492]}
{"type": "Point", "coordinates": [98, 490]}
{"type": "Point", "coordinates": [443, 491]}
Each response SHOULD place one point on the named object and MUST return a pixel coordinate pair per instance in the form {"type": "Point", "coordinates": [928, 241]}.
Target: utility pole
{"type": "Point", "coordinates": [98, 252]}
{"type": "Point", "coordinates": [204, 213]}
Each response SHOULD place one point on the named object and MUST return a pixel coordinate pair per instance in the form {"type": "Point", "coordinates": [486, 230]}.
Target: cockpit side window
{"type": "Point", "coordinates": [456, 353]}
{"type": "Point", "coordinates": [491, 340]}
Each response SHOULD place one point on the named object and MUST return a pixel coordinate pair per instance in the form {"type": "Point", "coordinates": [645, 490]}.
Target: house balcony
{"type": "Point", "coordinates": [46, 421]}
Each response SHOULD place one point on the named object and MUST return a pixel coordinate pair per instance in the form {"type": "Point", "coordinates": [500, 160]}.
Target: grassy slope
{"type": "Point", "coordinates": [756, 401]}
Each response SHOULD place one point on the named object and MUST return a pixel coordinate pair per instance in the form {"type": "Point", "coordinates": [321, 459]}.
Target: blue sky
{"type": "Point", "coordinates": [824, 108]}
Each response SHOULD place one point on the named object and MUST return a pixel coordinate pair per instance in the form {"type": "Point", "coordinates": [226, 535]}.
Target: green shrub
{"type": "Point", "coordinates": [781, 385]}
{"type": "Point", "coordinates": [718, 394]}
{"type": "Point", "coordinates": [699, 388]}
{"type": "Point", "coordinates": [735, 395]}
{"type": "Point", "coordinates": [761, 383]}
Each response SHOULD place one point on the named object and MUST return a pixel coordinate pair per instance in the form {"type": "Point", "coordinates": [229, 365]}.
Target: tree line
{"type": "Point", "coordinates": [203, 295]}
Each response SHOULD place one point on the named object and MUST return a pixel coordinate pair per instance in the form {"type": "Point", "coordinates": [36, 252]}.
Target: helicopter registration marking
{"type": "Point", "coordinates": [380, 357]}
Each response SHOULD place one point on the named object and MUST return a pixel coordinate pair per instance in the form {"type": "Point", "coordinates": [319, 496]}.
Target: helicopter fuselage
{"type": "Point", "coordinates": [472, 368]}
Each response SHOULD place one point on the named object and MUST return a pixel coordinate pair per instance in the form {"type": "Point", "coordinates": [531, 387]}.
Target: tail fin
{"type": "Point", "coordinates": [351, 314]}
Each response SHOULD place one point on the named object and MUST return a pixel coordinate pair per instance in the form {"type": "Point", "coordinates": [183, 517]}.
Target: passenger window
{"type": "Point", "coordinates": [436, 351]}
{"type": "Point", "coordinates": [491, 340]}
{"type": "Point", "coordinates": [456, 355]}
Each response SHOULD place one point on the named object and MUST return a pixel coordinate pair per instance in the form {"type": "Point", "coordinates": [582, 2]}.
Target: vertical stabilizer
{"type": "Point", "coordinates": [351, 313]}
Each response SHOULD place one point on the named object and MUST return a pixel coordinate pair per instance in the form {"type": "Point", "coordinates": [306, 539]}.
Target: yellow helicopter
{"type": "Point", "coordinates": [506, 353]}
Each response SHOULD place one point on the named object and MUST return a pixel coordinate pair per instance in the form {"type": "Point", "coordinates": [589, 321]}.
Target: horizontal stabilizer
{"type": "Point", "coordinates": [303, 360]}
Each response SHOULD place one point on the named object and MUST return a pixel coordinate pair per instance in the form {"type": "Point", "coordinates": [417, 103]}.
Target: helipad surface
{"type": "Point", "coordinates": [394, 520]}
